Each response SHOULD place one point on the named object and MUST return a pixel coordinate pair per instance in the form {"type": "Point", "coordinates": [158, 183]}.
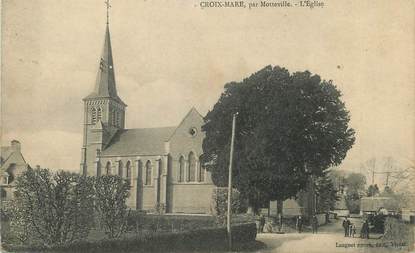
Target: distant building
{"type": "Point", "coordinates": [162, 163]}
{"type": "Point", "coordinates": [12, 165]}
{"type": "Point", "coordinates": [371, 205]}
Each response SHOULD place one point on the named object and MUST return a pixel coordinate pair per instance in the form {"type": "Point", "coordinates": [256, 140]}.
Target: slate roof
{"type": "Point", "coordinates": [139, 141]}
{"type": "Point", "coordinates": [5, 152]}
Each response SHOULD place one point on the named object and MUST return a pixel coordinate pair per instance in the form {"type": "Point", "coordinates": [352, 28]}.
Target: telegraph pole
{"type": "Point", "coordinates": [228, 223]}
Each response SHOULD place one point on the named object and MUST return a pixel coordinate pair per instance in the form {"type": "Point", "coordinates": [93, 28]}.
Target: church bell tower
{"type": "Point", "coordinates": [104, 111]}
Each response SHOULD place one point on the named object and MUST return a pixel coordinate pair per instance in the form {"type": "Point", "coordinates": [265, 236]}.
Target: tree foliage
{"type": "Point", "coordinates": [52, 208]}
{"type": "Point", "coordinates": [220, 204]}
{"type": "Point", "coordinates": [326, 194]}
{"type": "Point", "coordinates": [355, 190]}
{"type": "Point", "coordinates": [289, 126]}
{"type": "Point", "coordinates": [110, 202]}
{"type": "Point", "coordinates": [372, 190]}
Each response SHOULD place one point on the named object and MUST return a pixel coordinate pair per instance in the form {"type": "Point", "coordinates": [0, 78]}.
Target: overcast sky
{"type": "Point", "coordinates": [172, 55]}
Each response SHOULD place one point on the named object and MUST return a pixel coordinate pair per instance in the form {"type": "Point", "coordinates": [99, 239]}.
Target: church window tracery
{"type": "Point", "coordinates": [148, 173]}
{"type": "Point", "coordinates": [191, 175]}
{"type": "Point", "coordinates": [181, 169]}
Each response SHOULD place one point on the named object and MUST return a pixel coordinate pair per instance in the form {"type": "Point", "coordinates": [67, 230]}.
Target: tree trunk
{"type": "Point", "coordinates": [280, 203]}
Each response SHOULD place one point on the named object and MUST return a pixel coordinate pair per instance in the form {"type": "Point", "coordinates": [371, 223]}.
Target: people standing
{"type": "Point", "coordinates": [350, 229]}
{"type": "Point", "coordinates": [353, 230]}
{"type": "Point", "coordinates": [261, 223]}
{"type": "Point", "coordinates": [346, 224]}
{"type": "Point", "coordinates": [299, 224]}
{"type": "Point", "coordinates": [314, 224]}
{"type": "Point", "coordinates": [366, 229]}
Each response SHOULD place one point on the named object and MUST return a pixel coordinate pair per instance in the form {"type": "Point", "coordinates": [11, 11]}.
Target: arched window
{"type": "Point", "coordinates": [98, 169]}
{"type": "Point", "coordinates": [191, 176]}
{"type": "Point", "coordinates": [99, 114]}
{"type": "Point", "coordinates": [120, 169]}
{"type": "Point", "coordinates": [148, 173]}
{"type": "Point", "coordinates": [128, 171]}
{"type": "Point", "coordinates": [181, 169]}
{"type": "Point", "coordinates": [93, 115]}
{"type": "Point", "coordinates": [202, 170]}
{"type": "Point", "coordinates": [108, 168]}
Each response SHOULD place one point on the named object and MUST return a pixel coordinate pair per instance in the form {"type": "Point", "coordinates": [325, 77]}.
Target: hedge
{"type": "Point", "coordinates": [207, 239]}
{"type": "Point", "coordinates": [138, 221]}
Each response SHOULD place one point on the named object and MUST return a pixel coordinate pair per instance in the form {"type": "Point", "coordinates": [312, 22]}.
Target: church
{"type": "Point", "coordinates": [161, 164]}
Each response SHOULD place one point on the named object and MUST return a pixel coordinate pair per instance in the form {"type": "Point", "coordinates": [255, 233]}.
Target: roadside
{"type": "Point", "coordinates": [330, 238]}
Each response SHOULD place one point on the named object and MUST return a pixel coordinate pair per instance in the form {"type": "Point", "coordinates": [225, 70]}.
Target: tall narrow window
{"type": "Point", "coordinates": [181, 169]}
{"type": "Point", "coordinates": [113, 117]}
{"type": "Point", "coordinates": [99, 113]}
{"type": "Point", "coordinates": [202, 170]}
{"type": "Point", "coordinates": [108, 168]}
{"type": "Point", "coordinates": [192, 167]}
{"type": "Point", "coordinates": [98, 169]}
{"type": "Point", "coordinates": [93, 115]}
{"type": "Point", "coordinates": [118, 117]}
{"type": "Point", "coordinates": [120, 169]}
{"type": "Point", "coordinates": [148, 173]}
{"type": "Point", "coordinates": [128, 171]}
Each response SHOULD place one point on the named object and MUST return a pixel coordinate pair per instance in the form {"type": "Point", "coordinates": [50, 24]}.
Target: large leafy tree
{"type": "Point", "coordinates": [289, 127]}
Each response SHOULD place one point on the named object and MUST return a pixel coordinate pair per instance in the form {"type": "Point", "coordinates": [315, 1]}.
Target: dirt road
{"type": "Point", "coordinates": [330, 239]}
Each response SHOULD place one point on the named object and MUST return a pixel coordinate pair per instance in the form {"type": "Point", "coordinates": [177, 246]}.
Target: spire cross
{"type": "Point", "coordinates": [107, 3]}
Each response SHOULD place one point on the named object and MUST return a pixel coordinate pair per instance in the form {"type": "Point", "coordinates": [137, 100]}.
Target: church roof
{"type": "Point", "coordinates": [105, 86]}
{"type": "Point", "coordinates": [139, 141]}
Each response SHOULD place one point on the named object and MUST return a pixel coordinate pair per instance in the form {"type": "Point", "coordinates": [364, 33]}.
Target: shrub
{"type": "Point", "coordinates": [111, 193]}
{"type": "Point", "coordinates": [378, 222]}
{"type": "Point", "coordinates": [220, 203]}
{"type": "Point", "coordinates": [139, 221]}
{"type": "Point", "coordinates": [51, 209]}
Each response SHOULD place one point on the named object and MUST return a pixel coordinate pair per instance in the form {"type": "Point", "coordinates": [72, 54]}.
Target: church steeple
{"type": "Point", "coordinates": [105, 86]}
{"type": "Point", "coordinates": [104, 111]}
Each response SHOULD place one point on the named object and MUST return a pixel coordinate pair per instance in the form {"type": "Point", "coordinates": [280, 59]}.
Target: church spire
{"type": "Point", "coordinates": [105, 86]}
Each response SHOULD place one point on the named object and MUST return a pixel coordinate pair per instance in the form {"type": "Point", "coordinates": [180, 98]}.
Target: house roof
{"type": "Point", "coordinates": [139, 141]}
{"type": "Point", "coordinates": [375, 203]}
{"type": "Point", "coordinates": [5, 152]}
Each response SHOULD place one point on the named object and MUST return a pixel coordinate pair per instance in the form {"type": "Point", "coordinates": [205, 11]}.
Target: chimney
{"type": "Point", "coordinates": [15, 145]}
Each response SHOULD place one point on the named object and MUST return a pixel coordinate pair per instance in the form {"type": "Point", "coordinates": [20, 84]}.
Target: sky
{"type": "Point", "coordinates": [172, 55]}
